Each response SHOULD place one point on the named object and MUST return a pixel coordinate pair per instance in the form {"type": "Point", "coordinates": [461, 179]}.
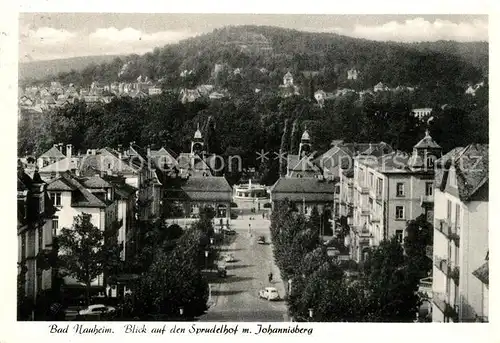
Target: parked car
{"type": "Point", "coordinates": [269, 293]}
{"type": "Point", "coordinates": [229, 258]}
{"type": "Point", "coordinates": [97, 309]}
{"type": "Point", "coordinates": [221, 271]}
{"type": "Point", "coordinates": [229, 231]}
{"type": "Point", "coordinates": [261, 240]}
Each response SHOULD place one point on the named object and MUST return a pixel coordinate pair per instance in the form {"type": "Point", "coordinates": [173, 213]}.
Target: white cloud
{"type": "Point", "coordinates": [47, 35]}
{"type": "Point", "coordinates": [48, 43]}
{"type": "Point", "coordinates": [419, 29]}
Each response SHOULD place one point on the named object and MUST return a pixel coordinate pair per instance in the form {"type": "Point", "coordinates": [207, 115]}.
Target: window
{"type": "Point", "coordinates": [429, 188]}
{"type": "Point", "coordinates": [371, 179]}
{"type": "Point", "coordinates": [399, 235]}
{"type": "Point", "coordinates": [400, 212]}
{"type": "Point", "coordinates": [448, 211]}
{"type": "Point", "coordinates": [457, 215]}
{"type": "Point", "coordinates": [55, 225]}
{"type": "Point", "coordinates": [430, 161]}
{"type": "Point", "coordinates": [400, 189]}
{"type": "Point", "coordinates": [56, 198]}
{"type": "Point", "coordinates": [379, 186]}
{"type": "Point", "coordinates": [452, 177]}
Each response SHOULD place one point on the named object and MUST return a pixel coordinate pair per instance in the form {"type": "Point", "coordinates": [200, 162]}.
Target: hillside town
{"type": "Point", "coordinates": [257, 174]}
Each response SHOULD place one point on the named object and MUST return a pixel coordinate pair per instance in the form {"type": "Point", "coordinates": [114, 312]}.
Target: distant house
{"type": "Point", "coordinates": [421, 113]}
{"type": "Point", "coordinates": [344, 91]}
{"type": "Point", "coordinates": [216, 95]}
{"type": "Point", "coordinates": [380, 87]}
{"type": "Point", "coordinates": [473, 89]}
{"type": "Point", "coordinates": [205, 90]}
{"type": "Point", "coordinates": [352, 74]}
{"type": "Point", "coordinates": [138, 94]}
{"type": "Point", "coordinates": [186, 73]}
{"type": "Point", "coordinates": [189, 95]}
{"type": "Point", "coordinates": [237, 71]}
{"type": "Point", "coordinates": [26, 101]}
{"type": "Point", "coordinates": [288, 79]}
{"type": "Point", "coordinates": [154, 91]}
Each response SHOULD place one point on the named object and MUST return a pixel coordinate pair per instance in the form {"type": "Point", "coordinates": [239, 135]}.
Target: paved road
{"type": "Point", "coordinates": [236, 297]}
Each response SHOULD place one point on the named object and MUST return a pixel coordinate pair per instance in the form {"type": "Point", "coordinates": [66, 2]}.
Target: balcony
{"type": "Point", "coordinates": [441, 301]}
{"type": "Point", "coordinates": [365, 211]}
{"type": "Point", "coordinates": [448, 229]}
{"type": "Point", "coordinates": [426, 200]}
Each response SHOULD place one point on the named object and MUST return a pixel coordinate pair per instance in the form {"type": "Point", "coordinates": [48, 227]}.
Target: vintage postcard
{"type": "Point", "coordinates": [262, 172]}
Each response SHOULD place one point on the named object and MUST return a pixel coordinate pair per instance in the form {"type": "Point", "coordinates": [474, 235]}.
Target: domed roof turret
{"type": "Point", "coordinates": [197, 134]}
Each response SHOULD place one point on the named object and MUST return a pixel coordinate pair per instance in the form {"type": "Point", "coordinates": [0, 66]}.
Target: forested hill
{"type": "Point", "coordinates": [279, 50]}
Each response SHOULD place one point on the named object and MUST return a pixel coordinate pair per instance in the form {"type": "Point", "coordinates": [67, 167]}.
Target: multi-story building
{"type": "Point", "coordinates": [73, 196]}
{"type": "Point", "coordinates": [34, 233]}
{"type": "Point", "coordinates": [388, 191]}
{"type": "Point", "coordinates": [460, 272]}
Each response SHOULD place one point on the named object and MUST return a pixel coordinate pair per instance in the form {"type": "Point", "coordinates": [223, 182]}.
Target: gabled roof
{"type": "Point", "coordinates": [307, 189]}
{"type": "Point", "coordinates": [94, 182]}
{"type": "Point", "coordinates": [81, 197]}
{"type": "Point", "coordinates": [207, 188]}
{"type": "Point", "coordinates": [68, 163]}
{"type": "Point", "coordinates": [304, 164]}
{"type": "Point", "coordinates": [483, 273]}
{"type": "Point", "coordinates": [471, 169]}
{"type": "Point", "coordinates": [427, 143]}
{"type": "Point", "coordinates": [52, 153]}
{"type": "Point", "coordinates": [105, 156]}
{"type": "Point", "coordinates": [61, 184]}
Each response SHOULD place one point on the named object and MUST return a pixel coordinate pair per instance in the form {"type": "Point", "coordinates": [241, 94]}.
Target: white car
{"type": "Point", "coordinates": [97, 309]}
{"type": "Point", "coordinates": [269, 293]}
{"type": "Point", "coordinates": [229, 258]}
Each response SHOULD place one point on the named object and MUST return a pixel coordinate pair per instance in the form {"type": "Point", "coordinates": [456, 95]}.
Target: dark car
{"type": "Point", "coordinates": [229, 232]}
{"type": "Point", "coordinates": [261, 240]}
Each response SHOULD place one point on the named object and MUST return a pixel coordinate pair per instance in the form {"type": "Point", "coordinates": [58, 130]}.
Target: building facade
{"type": "Point", "coordinates": [34, 234]}
{"type": "Point", "coordinates": [460, 272]}
{"type": "Point", "coordinates": [388, 191]}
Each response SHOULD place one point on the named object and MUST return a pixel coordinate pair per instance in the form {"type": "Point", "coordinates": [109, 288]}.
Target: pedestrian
{"type": "Point", "coordinates": [263, 215]}
{"type": "Point", "coordinates": [270, 277]}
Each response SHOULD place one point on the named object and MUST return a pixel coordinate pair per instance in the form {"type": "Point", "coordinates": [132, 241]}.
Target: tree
{"type": "Point", "coordinates": [419, 236]}
{"type": "Point", "coordinates": [391, 284]}
{"type": "Point", "coordinates": [84, 253]}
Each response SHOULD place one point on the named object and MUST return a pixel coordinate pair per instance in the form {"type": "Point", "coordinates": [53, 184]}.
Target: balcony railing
{"type": "Point", "coordinates": [454, 273]}
{"type": "Point", "coordinates": [426, 200]}
{"type": "Point", "coordinates": [364, 190]}
{"type": "Point", "coordinates": [374, 217]}
{"type": "Point", "coordinates": [449, 229]}
{"type": "Point", "coordinates": [365, 211]}
{"type": "Point", "coordinates": [441, 301]}
{"type": "Point", "coordinates": [441, 264]}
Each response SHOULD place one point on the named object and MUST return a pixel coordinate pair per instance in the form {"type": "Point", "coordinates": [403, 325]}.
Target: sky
{"type": "Point", "coordinates": [47, 36]}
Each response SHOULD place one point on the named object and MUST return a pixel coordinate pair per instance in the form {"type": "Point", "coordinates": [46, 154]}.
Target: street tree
{"type": "Point", "coordinates": [85, 254]}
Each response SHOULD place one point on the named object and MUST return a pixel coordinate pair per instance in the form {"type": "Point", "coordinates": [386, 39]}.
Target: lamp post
{"type": "Point", "coordinates": [206, 259]}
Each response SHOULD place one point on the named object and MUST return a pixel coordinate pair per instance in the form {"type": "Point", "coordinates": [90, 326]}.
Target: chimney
{"type": "Point", "coordinates": [69, 150]}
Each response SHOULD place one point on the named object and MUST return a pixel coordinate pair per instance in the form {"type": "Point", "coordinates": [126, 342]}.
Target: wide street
{"type": "Point", "coordinates": [236, 297]}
